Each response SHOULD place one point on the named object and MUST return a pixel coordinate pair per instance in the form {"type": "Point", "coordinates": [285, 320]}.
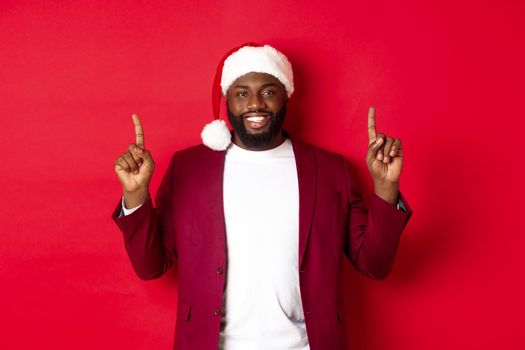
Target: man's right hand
{"type": "Point", "coordinates": [134, 169]}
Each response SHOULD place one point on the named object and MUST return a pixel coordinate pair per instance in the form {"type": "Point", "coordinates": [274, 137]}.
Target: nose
{"type": "Point", "coordinates": [255, 102]}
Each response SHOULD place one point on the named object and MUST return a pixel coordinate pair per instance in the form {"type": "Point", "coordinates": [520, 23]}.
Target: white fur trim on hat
{"type": "Point", "coordinates": [216, 135]}
{"type": "Point", "coordinates": [260, 59]}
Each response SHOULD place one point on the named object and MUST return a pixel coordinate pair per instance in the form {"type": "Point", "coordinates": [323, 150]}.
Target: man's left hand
{"type": "Point", "coordinates": [384, 159]}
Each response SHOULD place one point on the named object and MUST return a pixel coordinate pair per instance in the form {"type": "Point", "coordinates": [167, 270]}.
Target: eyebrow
{"type": "Point", "coordinates": [247, 87]}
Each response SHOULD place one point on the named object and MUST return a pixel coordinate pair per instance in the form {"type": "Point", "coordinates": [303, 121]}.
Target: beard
{"type": "Point", "coordinates": [259, 139]}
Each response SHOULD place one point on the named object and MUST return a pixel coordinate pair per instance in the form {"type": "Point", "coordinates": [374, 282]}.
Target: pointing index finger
{"type": "Point", "coordinates": [139, 133]}
{"type": "Point", "coordinates": [371, 125]}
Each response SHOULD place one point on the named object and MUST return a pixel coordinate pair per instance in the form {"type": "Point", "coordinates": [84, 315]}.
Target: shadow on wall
{"type": "Point", "coordinates": [164, 291]}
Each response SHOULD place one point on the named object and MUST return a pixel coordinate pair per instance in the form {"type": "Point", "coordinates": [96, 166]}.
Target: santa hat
{"type": "Point", "coordinates": [249, 57]}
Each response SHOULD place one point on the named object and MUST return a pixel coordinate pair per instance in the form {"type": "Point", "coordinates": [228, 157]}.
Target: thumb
{"type": "Point", "coordinates": [143, 155]}
{"type": "Point", "coordinates": [375, 146]}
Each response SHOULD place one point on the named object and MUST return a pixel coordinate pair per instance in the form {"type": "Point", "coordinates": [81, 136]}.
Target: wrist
{"type": "Point", "coordinates": [136, 198]}
{"type": "Point", "coordinates": [386, 190]}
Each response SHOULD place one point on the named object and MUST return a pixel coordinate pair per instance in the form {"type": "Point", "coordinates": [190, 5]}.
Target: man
{"type": "Point", "coordinates": [258, 221]}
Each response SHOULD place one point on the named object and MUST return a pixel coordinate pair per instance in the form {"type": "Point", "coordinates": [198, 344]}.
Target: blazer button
{"type": "Point", "coordinates": [220, 271]}
{"type": "Point", "coordinates": [217, 312]}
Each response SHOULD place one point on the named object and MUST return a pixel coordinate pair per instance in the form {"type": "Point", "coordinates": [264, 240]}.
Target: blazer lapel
{"type": "Point", "coordinates": [307, 178]}
{"type": "Point", "coordinates": [214, 189]}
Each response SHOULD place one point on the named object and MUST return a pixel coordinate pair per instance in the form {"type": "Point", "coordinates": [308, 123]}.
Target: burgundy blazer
{"type": "Point", "coordinates": [187, 227]}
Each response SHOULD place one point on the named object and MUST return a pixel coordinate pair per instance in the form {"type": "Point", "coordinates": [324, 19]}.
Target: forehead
{"type": "Point", "coordinates": [255, 79]}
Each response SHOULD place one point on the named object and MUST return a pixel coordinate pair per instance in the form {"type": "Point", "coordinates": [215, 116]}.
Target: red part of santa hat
{"type": "Point", "coordinates": [249, 57]}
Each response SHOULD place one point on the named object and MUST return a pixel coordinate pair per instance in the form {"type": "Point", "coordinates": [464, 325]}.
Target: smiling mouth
{"type": "Point", "coordinates": [256, 120]}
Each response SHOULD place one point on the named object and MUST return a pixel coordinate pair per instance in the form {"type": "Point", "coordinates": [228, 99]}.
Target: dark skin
{"type": "Point", "coordinates": [265, 94]}
{"type": "Point", "coordinates": [256, 92]}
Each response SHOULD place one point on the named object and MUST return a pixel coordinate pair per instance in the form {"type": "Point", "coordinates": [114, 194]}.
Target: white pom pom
{"type": "Point", "coordinates": [216, 135]}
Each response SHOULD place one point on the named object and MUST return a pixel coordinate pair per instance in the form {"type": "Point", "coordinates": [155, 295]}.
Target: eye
{"type": "Point", "coordinates": [242, 93]}
{"type": "Point", "coordinates": [269, 92]}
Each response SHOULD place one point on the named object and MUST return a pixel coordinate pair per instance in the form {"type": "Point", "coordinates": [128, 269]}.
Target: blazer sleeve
{"type": "Point", "coordinates": [373, 233]}
{"type": "Point", "coordinates": [144, 231]}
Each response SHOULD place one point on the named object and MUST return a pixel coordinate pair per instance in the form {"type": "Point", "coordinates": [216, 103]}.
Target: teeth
{"type": "Point", "coordinates": [256, 119]}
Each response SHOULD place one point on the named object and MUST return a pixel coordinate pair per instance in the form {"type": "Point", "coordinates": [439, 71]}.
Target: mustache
{"type": "Point", "coordinates": [260, 111]}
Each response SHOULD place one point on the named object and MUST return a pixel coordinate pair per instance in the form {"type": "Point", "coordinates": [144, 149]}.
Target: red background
{"type": "Point", "coordinates": [447, 78]}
